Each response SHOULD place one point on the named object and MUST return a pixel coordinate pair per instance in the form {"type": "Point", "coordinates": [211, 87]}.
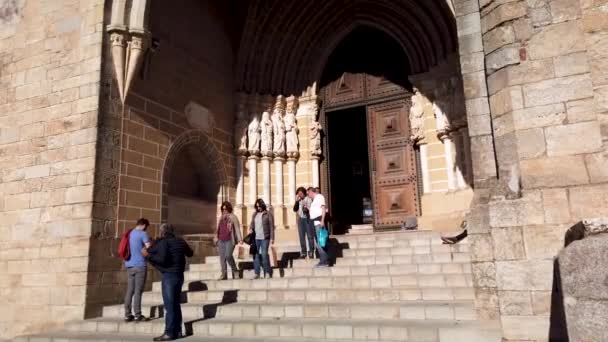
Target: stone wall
{"type": "Point", "coordinates": [545, 80]}
{"type": "Point", "coordinates": [50, 62]}
{"type": "Point", "coordinates": [132, 169]}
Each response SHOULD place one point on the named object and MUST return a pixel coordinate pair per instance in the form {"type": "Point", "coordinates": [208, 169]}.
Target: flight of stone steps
{"type": "Point", "coordinates": [398, 286]}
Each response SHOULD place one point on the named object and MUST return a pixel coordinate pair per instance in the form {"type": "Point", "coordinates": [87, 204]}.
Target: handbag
{"type": "Point", "coordinates": [322, 236]}
{"type": "Point", "coordinates": [249, 239]}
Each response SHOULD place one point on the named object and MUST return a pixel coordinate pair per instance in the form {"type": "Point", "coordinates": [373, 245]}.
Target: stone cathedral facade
{"type": "Point", "coordinates": [493, 111]}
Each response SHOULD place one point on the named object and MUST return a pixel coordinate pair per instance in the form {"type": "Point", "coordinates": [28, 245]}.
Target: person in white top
{"type": "Point", "coordinates": [317, 216]}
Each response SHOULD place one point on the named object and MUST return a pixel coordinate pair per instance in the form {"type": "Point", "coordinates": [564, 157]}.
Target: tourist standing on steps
{"type": "Point", "coordinates": [136, 271]}
{"type": "Point", "coordinates": [228, 234]}
{"type": "Point", "coordinates": [305, 228]}
{"type": "Point", "coordinates": [317, 216]}
{"type": "Point", "coordinates": [262, 224]}
{"type": "Point", "coordinates": [168, 255]}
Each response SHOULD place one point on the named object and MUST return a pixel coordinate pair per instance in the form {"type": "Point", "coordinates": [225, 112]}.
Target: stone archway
{"type": "Point", "coordinates": [194, 180]}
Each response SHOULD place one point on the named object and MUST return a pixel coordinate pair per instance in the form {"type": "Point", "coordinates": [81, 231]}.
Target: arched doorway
{"type": "Point", "coordinates": [370, 172]}
{"type": "Point", "coordinates": [194, 181]}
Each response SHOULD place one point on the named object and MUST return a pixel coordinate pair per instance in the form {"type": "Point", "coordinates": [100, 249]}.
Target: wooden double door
{"type": "Point", "coordinates": [391, 155]}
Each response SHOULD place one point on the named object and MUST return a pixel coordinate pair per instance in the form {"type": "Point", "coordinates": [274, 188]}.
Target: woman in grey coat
{"type": "Point", "coordinates": [262, 224]}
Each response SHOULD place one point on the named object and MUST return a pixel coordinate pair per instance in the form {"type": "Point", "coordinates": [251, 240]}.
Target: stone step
{"type": "Point", "coordinates": [329, 281]}
{"type": "Point", "coordinates": [392, 330]}
{"type": "Point", "coordinates": [430, 310]}
{"type": "Point", "coordinates": [118, 337]}
{"type": "Point", "coordinates": [360, 257]}
{"type": "Point", "coordinates": [344, 270]}
{"type": "Point", "coordinates": [397, 247]}
{"type": "Point", "coordinates": [322, 295]}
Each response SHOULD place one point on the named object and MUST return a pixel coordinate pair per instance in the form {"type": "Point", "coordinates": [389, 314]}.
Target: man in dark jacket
{"type": "Point", "coordinates": [168, 255]}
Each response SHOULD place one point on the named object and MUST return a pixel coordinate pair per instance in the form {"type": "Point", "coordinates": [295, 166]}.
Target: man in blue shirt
{"type": "Point", "coordinates": [136, 270]}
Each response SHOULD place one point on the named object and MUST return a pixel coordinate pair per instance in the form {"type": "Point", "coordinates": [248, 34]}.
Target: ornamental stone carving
{"type": "Point", "coordinates": [254, 129]}
{"type": "Point", "coordinates": [315, 138]}
{"type": "Point", "coordinates": [240, 127]}
{"type": "Point", "coordinates": [291, 127]}
{"type": "Point", "coordinates": [278, 128]}
{"type": "Point", "coordinates": [266, 131]}
{"type": "Point", "coordinates": [417, 117]}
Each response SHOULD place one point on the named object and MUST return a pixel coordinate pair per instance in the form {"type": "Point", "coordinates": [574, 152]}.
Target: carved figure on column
{"type": "Point", "coordinates": [315, 138]}
{"type": "Point", "coordinates": [241, 128]}
{"type": "Point", "coordinates": [254, 129]}
{"type": "Point", "coordinates": [417, 117]}
{"type": "Point", "coordinates": [278, 127]}
{"type": "Point", "coordinates": [291, 127]}
{"type": "Point", "coordinates": [266, 129]}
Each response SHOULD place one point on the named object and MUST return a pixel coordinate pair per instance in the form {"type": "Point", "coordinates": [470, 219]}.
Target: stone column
{"type": "Point", "coordinates": [448, 146]}
{"type": "Point", "coordinates": [314, 162]}
{"type": "Point", "coordinates": [240, 188]}
{"type": "Point", "coordinates": [291, 168]}
{"type": "Point", "coordinates": [278, 170]}
{"type": "Point", "coordinates": [253, 179]}
{"type": "Point", "coordinates": [266, 180]}
{"type": "Point", "coordinates": [424, 165]}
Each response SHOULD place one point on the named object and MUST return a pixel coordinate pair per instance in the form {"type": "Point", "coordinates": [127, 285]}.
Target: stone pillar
{"type": "Point", "coordinates": [448, 146]}
{"type": "Point", "coordinates": [424, 165]}
{"type": "Point", "coordinates": [253, 179]}
{"type": "Point", "coordinates": [314, 162]}
{"type": "Point", "coordinates": [291, 168]}
{"type": "Point", "coordinates": [240, 187]}
{"type": "Point", "coordinates": [266, 180]}
{"type": "Point", "coordinates": [278, 170]}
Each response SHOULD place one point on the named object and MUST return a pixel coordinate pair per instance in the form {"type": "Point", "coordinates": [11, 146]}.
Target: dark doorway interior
{"type": "Point", "coordinates": [349, 175]}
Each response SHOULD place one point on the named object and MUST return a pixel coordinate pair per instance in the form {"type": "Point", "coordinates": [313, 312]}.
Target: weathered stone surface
{"type": "Point", "coordinates": [484, 274]}
{"type": "Point", "coordinates": [531, 143]}
{"type": "Point", "coordinates": [564, 10]}
{"type": "Point", "coordinates": [556, 40]}
{"type": "Point", "coordinates": [555, 202]}
{"type": "Point", "coordinates": [541, 116]}
{"type": "Point", "coordinates": [474, 85]}
{"type": "Point", "coordinates": [525, 72]}
{"type": "Point", "coordinates": [503, 57]}
{"type": "Point", "coordinates": [506, 100]}
{"type": "Point", "coordinates": [583, 279]}
{"type": "Point", "coordinates": [581, 110]}
{"type": "Point", "coordinates": [515, 303]}
{"type": "Point", "coordinates": [558, 90]}
{"type": "Point", "coordinates": [519, 328]}
{"type": "Point", "coordinates": [472, 62]}
{"type": "Point", "coordinates": [499, 15]}
{"type": "Point", "coordinates": [525, 275]}
{"type": "Point", "coordinates": [597, 166]}
{"type": "Point", "coordinates": [595, 19]}
{"type": "Point", "coordinates": [482, 247]}
{"type": "Point", "coordinates": [466, 7]}
{"type": "Point", "coordinates": [544, 241]}
{"type": "Point", "coordinates": [588, 201]}
{"type": "Point", "coordinates": [503, 125]}
{"type": "Point", "coordinates": [540, 15]}
{"type": "Point", "coordinates": [470, 43]}
{"type": "Point", "coordinates": [479, 125]}
{"type": "Point", "coordinates": [572, 64]}
{"type": "Point", "coordinates": [508, 243]}
{"type": "Point", "coordinates": [527, 210]}
{"type": "Point", "coordinates": [554, 171]}
{"type": "Point", "coordinates": [498, 37]}
{"type": "Point", "coordinates": [577, 138]}
{"type": "Point", "coordinates": [468, 24]}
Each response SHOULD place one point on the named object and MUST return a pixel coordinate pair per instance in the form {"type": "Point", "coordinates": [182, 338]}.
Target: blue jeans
{"type": "Point", "coordinates": [262, 257]}
{"type": "Point", "coordinates": [172, 288]}
{"type": "Point", "coordinates": [305, 229]}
